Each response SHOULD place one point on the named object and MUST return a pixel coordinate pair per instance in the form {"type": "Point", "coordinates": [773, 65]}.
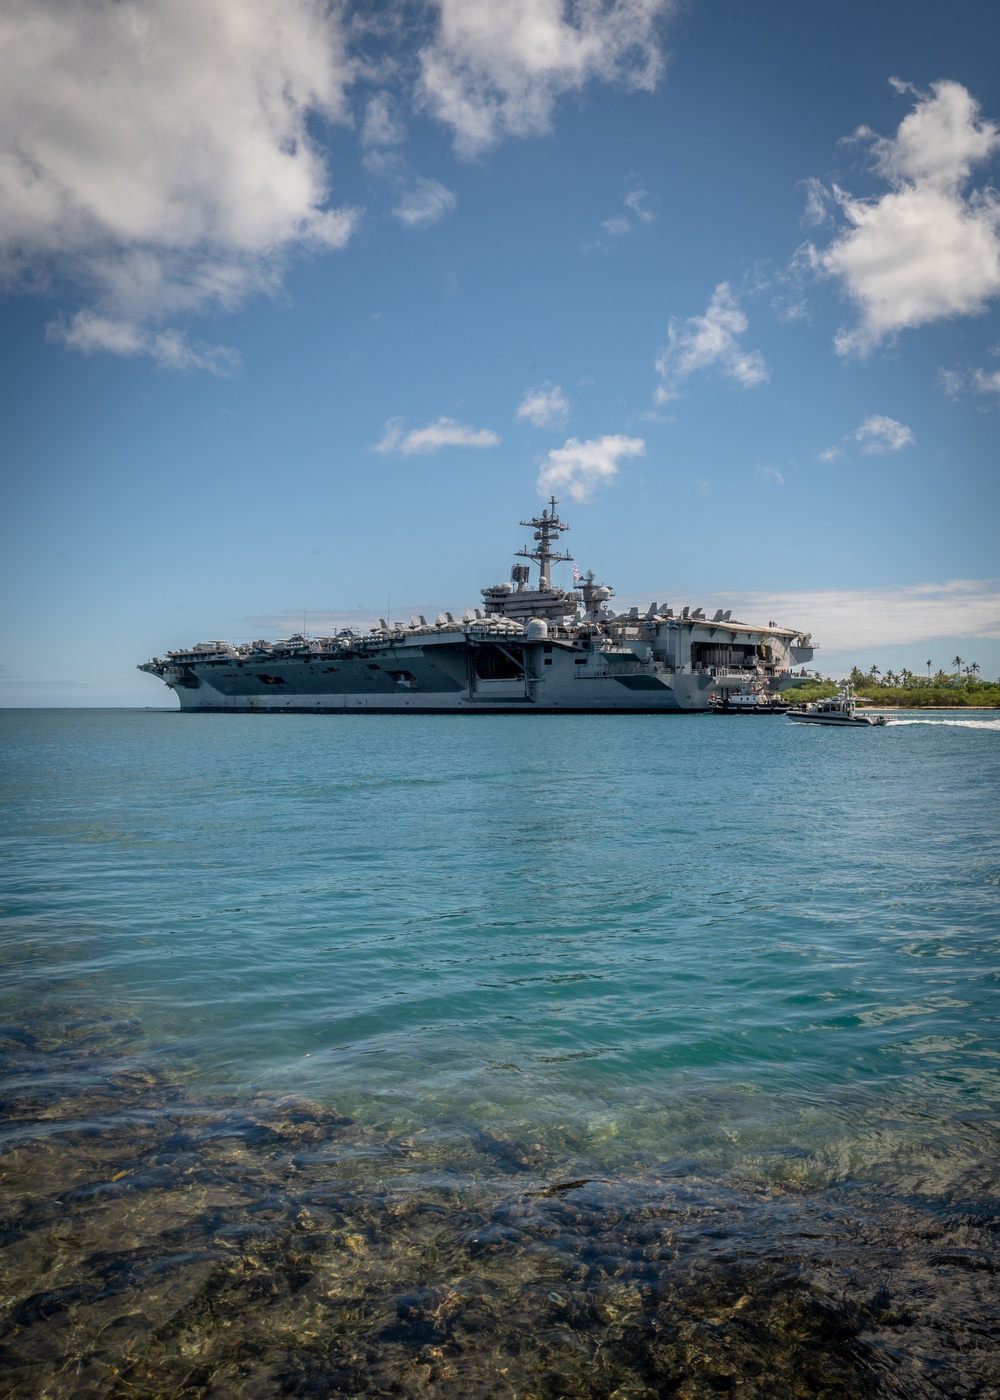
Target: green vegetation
{"type": "Point", "coordinates": [945, 690]}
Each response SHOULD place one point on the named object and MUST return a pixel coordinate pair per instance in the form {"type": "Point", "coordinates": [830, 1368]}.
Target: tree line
{"type": "Point", "coordinates": [963, 674]}
{"type": "Point", "coordinates": [941, 689]}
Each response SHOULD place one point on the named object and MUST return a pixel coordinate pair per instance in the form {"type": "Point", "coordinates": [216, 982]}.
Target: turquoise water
{"type": "Point", "coordinates": [761, 952]}
{"type": "Point", "coordinates": [658, 932]}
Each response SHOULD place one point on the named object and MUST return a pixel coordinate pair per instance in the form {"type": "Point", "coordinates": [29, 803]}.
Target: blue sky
{"type": "Point", "coordinates": [305, 306]}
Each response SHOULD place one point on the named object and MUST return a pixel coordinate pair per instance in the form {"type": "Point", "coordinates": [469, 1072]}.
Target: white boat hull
{"type": "Point", "coordinates": [841, 721]}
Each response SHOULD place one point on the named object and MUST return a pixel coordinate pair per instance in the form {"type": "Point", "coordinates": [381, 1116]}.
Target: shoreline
{"type": "Point", "coordinates": [944, 709]}
{"type": "Point", "coordinates": [929, 709]}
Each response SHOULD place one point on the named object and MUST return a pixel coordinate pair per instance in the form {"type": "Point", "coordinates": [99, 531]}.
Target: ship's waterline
{"type": "Point", "coordinates": [528, 649]}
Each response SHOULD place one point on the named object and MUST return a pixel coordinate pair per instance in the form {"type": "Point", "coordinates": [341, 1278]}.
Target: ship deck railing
{"type": "Point", "coordinates": [627, 668]}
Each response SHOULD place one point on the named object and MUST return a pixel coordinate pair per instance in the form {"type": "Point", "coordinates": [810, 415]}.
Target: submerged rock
{"type": "Point", "coordinates": [155, 1244]}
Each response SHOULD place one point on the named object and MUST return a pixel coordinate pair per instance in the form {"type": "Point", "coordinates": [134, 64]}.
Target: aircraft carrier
{"type": "Point", "coordinates": [527, 649]}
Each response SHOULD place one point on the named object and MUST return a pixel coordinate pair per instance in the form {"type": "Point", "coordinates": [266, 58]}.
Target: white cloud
{"type": "Point", "coordinates": [926, 249]}
{"type": "Point", "coordinates": [171, 350]}
{"type": "Point", "coordinates": [877, 434]}
{"type": "Point", "coordinates": [881, 434]}
{"type": "Point", "coordinates": [707, 342]}
{"type": "Point", "coordinates": [770, 473]}
{"type": "Point", "coordinates": [578, 468]}
{"type": "Point", "coordinates": [818, 199]}
{"type": "Point", "coordinates": [496, 70]}
{"type": "Point", "coordinates": [955, 382]}
{"type": "Point", "coordinates": [159, 158]}
{"type": "Point", "coordinates": [842, 619]}
{"type": "Point", "coordinates": [443, 432]}
{"type": "Point", "coordinates": [952, 381]}
{"type": "Point", "coordinates": [986, 381]}
{"type": "Point", "coordinates": [164, 160]}
{"type": "Point", "coordinates": [545, 407]}
{"type": "Point", "coordinates": [420, 201]}
{"type": "Point", "coordinates": [850, 619]}
{"type": "Point", "coordinates": [424, 203]}
{"type": "Point", "coordinates": [790, 282]}
{"type": "Point", "coordinates": [633, 201]}
{"type": "Point", "coordinates": [382, 126]}
{"type": "Point", "coordinates": [618, 225]}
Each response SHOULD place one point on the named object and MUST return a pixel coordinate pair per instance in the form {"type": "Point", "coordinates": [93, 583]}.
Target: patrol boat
{"type": "Point", "coordinates": [538, 649]}
{"type": "Point", "coordinates": [838, 710]}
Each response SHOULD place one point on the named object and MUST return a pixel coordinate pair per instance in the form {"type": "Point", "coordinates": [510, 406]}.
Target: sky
{"type": "Point", "coordinates": [306, 306]}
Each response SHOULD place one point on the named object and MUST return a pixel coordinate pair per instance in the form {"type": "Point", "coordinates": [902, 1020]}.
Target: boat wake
{"type": "Point", "coordinates": [955, 723]}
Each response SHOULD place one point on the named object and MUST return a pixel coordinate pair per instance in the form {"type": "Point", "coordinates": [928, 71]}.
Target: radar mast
{"type": "Point", "coordinates": [547, 527]}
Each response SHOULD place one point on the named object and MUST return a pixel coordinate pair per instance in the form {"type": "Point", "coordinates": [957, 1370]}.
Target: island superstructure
{"type": "Point", "coordinates": [538, 649]}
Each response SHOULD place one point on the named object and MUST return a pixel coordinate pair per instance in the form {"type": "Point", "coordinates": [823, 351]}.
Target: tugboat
{"type": "Point", "coordinates": [839, 710]}
{"type": "Point", "coordinates": [752, 698]}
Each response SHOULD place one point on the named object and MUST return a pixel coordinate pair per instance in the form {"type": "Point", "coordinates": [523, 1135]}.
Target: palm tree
{"type": "Point", "coordinates": [929, 670]}
{"type": "Point", "coordinates": [973, 670]}
{"type": "Point", "coordinates": [957, 663]}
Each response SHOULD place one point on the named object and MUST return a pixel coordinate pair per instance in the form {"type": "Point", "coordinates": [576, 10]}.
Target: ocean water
{"type": "Point", "coordinates": [499, 1055]}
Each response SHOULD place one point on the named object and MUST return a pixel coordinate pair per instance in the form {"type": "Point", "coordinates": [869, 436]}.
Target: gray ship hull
{"type": "Point", "coordinates": [436, 679]}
